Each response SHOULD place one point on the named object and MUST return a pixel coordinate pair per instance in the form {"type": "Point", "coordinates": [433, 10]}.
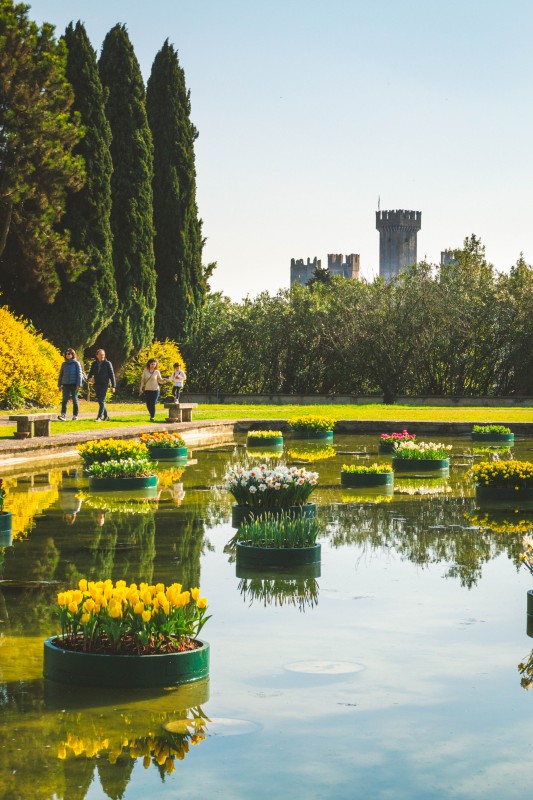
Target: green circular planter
{"type": "Point", "coordinates": [504, 496]}
{"type": "Point", "coordinates": [167, 453]}
{"type": "Point", "coordinates": [272, 441]}
{"type": "Point", "coordinates": [530, 602]}
{"type": "Point", "coordinates": [419, 465]}
{"type": "Point", "coordinates": [386, 447]}
{"type": "Point", "coordinates": [493, 437]}
{"type": "Point", "coordinates": [6, 538]}
{"type": "Point", "coordinates": [240, 514]}
{"type": "Point", "coordinates": [367, 480]}
{"type": "Point", "coordinates": [6, 521]}
{"type": "Point", "coordinates": [324, 436]}
{"type": "Point", "coordinates": [123, 484]}
{"type": "Point", "coordinates": [286, 557]}
{"type": "Point", "coordinates": [132, 672]}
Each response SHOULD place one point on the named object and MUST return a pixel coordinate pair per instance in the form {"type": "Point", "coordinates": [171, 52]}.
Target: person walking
{"type": "Point", "coordinates": [151, 378]}
{"type": "Point", "coordinates": [69, 381]}
{"type": "Point", "coordinates": [178, 378]}
{"type": "Point", "coordinates": [103, 375]}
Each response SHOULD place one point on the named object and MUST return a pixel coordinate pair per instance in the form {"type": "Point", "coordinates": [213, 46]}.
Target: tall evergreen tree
{"type": "Point", "coordinates": [82, 309]}
{"type": "Point", "coordinates": [132, 327]}
{"type": "Point", "coordinates": [37, 165]}
{"type": "Point", "coordinates": [181, 283]}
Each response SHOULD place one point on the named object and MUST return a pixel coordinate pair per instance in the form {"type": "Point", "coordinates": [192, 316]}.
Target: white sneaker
{"type": "Point", "coordinates": [74, 419]}
{"type": "Point", "coordinates": [98, 419]}
{"type": "Point", "coordinates": [62, 418]}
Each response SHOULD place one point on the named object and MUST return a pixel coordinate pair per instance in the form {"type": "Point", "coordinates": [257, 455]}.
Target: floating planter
{"type": "Point", "coordinates": [492, 433]}
{"type": "Point", "coordinates": [387, 441]}
{"type": "Point", "coordinates": [6, 522]}
{"type": "Point", "coordinates": [165, 446]}
{"type": "Point", "coordinates": [264, 439]}
{"type": "Point", "coordinates": [421, 457]}
{"type": "Point", "coordinates": [376, 475]}
{"type": "Point", "coordinates": [270, 573]}
{"type": "Point", "coordinates": [312, 427]}
{"type": "Point", "coordinates": [123, 484]}
{"type": "Point", "coordinates": [111, 645]}
{"type": "Point", "coordinates": [285, 542]}
{"type": "Point", "coordinates": [503, 483]}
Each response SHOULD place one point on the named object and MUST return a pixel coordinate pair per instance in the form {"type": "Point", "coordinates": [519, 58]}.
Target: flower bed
{"type": "Point", "coordinates": [128, 473]}
{"type": "Point", "coordinates": [421, 456]}
{"type": "Point", "coordinates": [154, 628]}
{"type": "Point", "coordinates": [264, 488]}
{"type": "Point", "coordinates": [164, 446]}
{"type": "Point", "coordinates": [312, 427]}
{"type": "Point", "coordinates": [388, 441]}
{"type": "Point", "coordinates": [492, 433]}
{"type": "Point", "coordinates": [101, 450]}
{"type": "Point", "coordinates": [356, 475]}
{"type": "Point", "coordinates": [264, 438]}
{"type": "Point", "coordinates": [503, 482]}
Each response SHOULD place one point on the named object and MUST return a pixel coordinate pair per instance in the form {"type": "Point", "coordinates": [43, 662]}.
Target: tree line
{"type": "Point", "coordinates": [458, 329]}
{"type": "Point", "coordinates": [99, 225]}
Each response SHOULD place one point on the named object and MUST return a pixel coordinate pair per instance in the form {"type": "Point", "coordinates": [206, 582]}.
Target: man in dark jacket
{"type": "Point", "coordinates": [103, 374]}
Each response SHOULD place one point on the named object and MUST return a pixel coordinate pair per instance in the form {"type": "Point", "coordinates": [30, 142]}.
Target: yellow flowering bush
{"type": "Point", "coordinates": [503, 474]}
{"type": "Point", "coordinates": [30, 364]}
{"type": "Point", "coordinates": [100, 450]}
{"type": "Point", "coordinates": [167, 354]}
{"type": "Point", "coordinates": [102, 617]}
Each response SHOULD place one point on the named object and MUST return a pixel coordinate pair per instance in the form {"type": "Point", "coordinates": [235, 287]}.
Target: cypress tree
{"type": "Point", "coordinates": [82, 309]}
{"type": "Point", "coordinates": [181, 286]}
{"type": "Point", "coordinates": [132, 327]}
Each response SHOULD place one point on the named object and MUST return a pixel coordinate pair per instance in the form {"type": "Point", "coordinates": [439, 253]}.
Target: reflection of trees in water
{"type": "Point", "coordinates": [429, 532]}
{"type": "Point", "coordinates": [299, 592]}
{"type": "Point", "coordinates": [123, 548]}
{"type": "Point", "coordinates": [24, 610]}
{"type": "Point", "coordinates": [180, 545]}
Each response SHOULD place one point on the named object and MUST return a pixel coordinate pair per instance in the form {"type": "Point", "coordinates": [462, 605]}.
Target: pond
{"type": "Point", "coordinates": [390, 673]}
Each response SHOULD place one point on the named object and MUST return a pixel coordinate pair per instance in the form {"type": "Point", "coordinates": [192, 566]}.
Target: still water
{"type": "Point", "coordinates": [393, 674]}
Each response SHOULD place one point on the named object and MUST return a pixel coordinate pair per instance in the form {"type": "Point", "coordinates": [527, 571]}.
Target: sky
{"type": "Point", "coordinates": [309, 111]}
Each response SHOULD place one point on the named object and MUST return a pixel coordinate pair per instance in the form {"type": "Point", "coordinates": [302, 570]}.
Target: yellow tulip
{"type": "Point", "coordinates": [195, 593]}
{"type": "Point", "coordinates": [201, 602]}
{"type": "Point", "coordinates": [82, 585]}
{"type": "Point", "coordinates": [138, 608]}
{"type": "Point", "coordinates": [73, 607]}
{"type": "Point", "coordinates": [146, 615]}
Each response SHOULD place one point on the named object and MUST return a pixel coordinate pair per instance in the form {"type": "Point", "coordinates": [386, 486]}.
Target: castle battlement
{"type": "Point", "coordinates": [348, 268]}
{"type": "Point", "coordinates": [301, 272]}
{"type": "Point", "coordinates": [411, 219]}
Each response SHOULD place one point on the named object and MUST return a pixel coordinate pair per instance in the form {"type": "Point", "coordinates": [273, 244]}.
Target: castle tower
{"type": "Point", "coordinates": [300, 272]}
{"type": "Point", "coordinates": [347, 269]}
{"type": "Point", "coordinates": [397, 240]}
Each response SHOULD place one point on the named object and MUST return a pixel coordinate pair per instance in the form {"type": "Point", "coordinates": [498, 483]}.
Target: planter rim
{"type": "Point", "coordinates": [250, 556]}
{"type": "Point", "coordinates": [420, 463]}
{"type": "Point", "coordinates": [121, 670]}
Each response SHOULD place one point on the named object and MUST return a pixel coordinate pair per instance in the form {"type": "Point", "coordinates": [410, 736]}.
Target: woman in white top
{"type": "Point", "coordinates": [151, 378]}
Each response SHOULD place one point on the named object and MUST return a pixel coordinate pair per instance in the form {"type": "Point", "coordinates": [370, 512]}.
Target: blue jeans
{"type": "Point", "coordinates": [69, 390]}
{"type": "Point", "coordinates": [150, 398]}
{"type": "Point", "coordinates": [101, 393]}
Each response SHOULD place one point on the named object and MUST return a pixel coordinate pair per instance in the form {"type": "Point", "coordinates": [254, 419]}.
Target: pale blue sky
{"type": "Point", "coordinates": [309, 109]}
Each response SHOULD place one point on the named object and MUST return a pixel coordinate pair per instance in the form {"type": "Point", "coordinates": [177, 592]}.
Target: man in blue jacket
{"type": "Point", "coordinates": [103, 374]}
{"type": "Point", "coordinates": [69, 381]}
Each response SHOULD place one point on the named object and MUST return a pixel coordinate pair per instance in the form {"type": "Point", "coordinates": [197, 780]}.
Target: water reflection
{"type": "Point", "coordinates": [299, 592]}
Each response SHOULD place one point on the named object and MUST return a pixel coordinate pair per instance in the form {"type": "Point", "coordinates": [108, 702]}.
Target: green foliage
{"type": "Point", "coordinates": [124, 468]}
{"type": "Point", "coordinates": [85, 306]}
{"type": "Point", "coordinates": [491, 429]}
{"type": "Point", "coordinates": [283, 532]}
{"type": "Point", "coordinates": [167, 354]}
{"type": "Point", "coordinates": [37, 162]}
{"type": "Point", "coordinates": [372, 469]}
{"type": "Point", "coordinates": [181, 283]}
{"type": "Point", "coordinates": [132, 327]}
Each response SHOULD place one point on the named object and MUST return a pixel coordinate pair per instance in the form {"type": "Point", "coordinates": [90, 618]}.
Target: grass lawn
{"type": "Point", "coordinates": [123, 414]}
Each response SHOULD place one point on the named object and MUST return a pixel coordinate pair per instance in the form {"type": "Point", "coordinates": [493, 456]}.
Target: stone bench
{"type": "Point", "coordinates": [30, 425]}
{"type": "Point", "coordinates": [179, 412]}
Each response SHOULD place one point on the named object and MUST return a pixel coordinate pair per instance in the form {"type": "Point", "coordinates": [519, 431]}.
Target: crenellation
{"type": "Point", "coordinates": [397, 240]}
{"type": "Point", "coordinates": [301, 272]}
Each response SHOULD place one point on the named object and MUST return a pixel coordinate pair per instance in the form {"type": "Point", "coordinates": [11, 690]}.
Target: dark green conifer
{"type": "Point", "coordinates": [82, 309]}
{"type": "Point", "coordinates": [181, 284]}
{"type": "Point", "coordinates": [131, 193]}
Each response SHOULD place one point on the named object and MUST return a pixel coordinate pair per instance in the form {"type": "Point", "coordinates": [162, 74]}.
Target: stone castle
{"type": "Point", "coordinates": [301, 272]}
{"type": "Point", "coordinates": [397, 249]}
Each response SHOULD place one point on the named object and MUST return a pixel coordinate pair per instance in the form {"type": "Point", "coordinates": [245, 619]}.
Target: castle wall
{"type": "Point", "coordinates": [301, 272]}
